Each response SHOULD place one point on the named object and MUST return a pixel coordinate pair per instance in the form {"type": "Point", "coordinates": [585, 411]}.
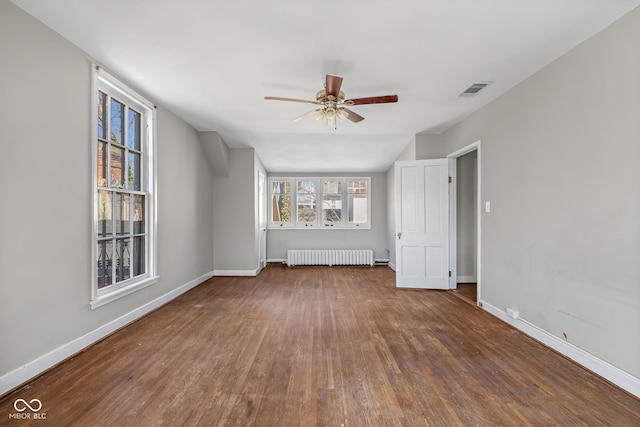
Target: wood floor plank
{"type": "Point", "coordinates": [316, 346]}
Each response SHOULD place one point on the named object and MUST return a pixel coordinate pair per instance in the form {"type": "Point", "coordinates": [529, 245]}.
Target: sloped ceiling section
{"type": "Point", "coordinates": [212, 63]}
{"type": "Point", "coordinates": [216, 153]}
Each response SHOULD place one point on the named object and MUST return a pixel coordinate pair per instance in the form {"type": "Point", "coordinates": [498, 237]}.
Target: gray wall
{"type": "Point", "coordinates": [279, 241]}
{"type": "Point", "coordinates": [560, 155]}
{"type": "Point", "coordinates": [46, 197]}
{"type": "Point", "coordinates": [235, 213]}
{"type": "Point", "coordinates": [429, 146]}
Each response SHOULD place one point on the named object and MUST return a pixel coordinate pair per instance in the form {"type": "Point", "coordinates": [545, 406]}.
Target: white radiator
{"type": "Point", "coordinates": [329, 257]}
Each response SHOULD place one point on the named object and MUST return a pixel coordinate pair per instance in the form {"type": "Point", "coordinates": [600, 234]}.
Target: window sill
{"type": "Point", "coordinates": [122, 292]}
{"type": "Point", "coordinates": [363, 227]}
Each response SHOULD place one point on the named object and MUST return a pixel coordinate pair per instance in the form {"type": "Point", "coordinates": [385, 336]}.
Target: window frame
{"type": "Point", "coordinates": [107, 83]}
{"type": "Point", "coordinates": [319, 223]}
{"type": "Point", "coordinates": [295, 205]}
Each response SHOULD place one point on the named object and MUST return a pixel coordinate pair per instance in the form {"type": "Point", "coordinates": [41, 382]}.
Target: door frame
{"type": "Point", "coordinates": [453, 217]}
{"type": "Point", "coordinates": [262, 221]}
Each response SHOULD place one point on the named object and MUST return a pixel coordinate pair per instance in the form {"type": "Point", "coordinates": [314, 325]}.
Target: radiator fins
{"type": "Point", "coordinates": [330, 257]}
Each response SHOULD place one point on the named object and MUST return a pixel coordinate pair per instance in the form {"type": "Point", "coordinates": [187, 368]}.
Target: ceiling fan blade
{"type": "Point", "coordinates": [333, 85]}
{"type": "Point", "coordinates": [304, 101]}
{"type": "Point", "coordinates": [354, 117]}
{"type": "Point", "coordinates": [372, 100]}
{"type": "Point", "coordinates": [305, 115]}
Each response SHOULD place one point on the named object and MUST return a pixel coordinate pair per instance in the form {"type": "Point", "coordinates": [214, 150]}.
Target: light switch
{"type": "Point", "coordinates": [487, 206]}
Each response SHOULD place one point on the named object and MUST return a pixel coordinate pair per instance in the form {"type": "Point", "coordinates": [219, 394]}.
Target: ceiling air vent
{"type": "Point", "coordinates": [474, 89]}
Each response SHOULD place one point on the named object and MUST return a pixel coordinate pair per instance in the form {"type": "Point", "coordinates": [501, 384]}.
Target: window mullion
{"type": "Point", "coordinates": [293, 195]}
{"type": "Point", "coordinates": [108, 139]}
{"type": "Point", "coordinates": [320, 203]}
{"type": "Point", "coordinates": [145, 183]}
{"type": "Point", "coordinates": [344, 202]}
{"type": "Point", "coordinates": [131, 232]}
{"type": "Point", "coordinates": [319, 195]}
{"type": "Point", "coordinates": [125, 139]}
{"type": "Point", "coordinates": [112, 276]}
{"type": "Point", "coordinates": [114, 235]}
{"type": "Point", "coordinates": [294, 202]}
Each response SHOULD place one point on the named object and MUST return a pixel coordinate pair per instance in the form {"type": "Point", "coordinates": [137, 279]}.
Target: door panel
{"type": "Point", "coordinates": [411, 259]}
{"type": "Point", "coordinates": [422, 227]}
{"type": "Point", "coordinates": [433, 204]}
{"type": "Point", "coordinates": [409, 208]}
{"type": "Point", "coordinates": [433, 263]}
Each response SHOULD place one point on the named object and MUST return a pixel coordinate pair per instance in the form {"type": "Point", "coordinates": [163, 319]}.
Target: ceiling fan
{"type": "Point", "coordinates": [332, 103]}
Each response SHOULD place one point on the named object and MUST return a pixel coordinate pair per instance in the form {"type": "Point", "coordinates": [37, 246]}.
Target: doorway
{"type": "Point", "coordinates": [262, 222]}
{"type": "Point", "coordinates": [465, 222]}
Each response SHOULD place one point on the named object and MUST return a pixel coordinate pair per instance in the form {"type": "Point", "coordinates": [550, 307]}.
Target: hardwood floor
{"type": "Point", "coordinates": [315, 346]}
{"type": "Point", "coordinates": [468, 291]}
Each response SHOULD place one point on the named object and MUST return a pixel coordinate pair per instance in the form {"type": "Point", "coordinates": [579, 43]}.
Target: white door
{"type": "Point", "coordinates": [422, 224]}
{"type": "Point", "coordinates": [262, 222]}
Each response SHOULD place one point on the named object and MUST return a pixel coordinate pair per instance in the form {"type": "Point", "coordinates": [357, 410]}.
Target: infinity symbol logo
{"type": "Point", "coordinates": [21, 405]}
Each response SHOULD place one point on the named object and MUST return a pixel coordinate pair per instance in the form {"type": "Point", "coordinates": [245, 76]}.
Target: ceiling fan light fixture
{"type": "Point", "coordinates": [330, 112]}
{"type": "Point", "coordinates": [332, 101]}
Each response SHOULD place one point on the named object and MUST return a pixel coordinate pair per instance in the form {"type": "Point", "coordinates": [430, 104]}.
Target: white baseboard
{"type": "Point", "coordinates": [467, 279]}
{"type": "Point", "coordinates": [606, 370]}
{"type": "Point", "coordinates": [36, 367]}
{"type": "Point", "coordinates": [236, 272]}
{"type": "Point", "coordinates": [392, 266]}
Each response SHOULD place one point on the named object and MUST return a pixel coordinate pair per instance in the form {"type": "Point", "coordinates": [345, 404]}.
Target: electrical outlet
{"type": "Point", "coordinates": [513, 313]}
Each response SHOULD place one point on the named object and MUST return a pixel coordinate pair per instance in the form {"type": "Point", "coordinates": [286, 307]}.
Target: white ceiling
{"type": "Point", "coordinates": [212, 62]}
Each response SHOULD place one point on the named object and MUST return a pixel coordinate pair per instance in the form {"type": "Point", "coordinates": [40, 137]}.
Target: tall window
{"type": "Point", "coordinates": [331, 201]}
{"type": "Point", "coordinates": [358, 199]}
{"type": "Point", "coordinates": [280, 201]}
{"type": "Point", "coordinates": [319, 202]}
{"type": "Point", "coordinates": [306, 205]}
{"type": "Point", "coordinates": [124, 191]}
